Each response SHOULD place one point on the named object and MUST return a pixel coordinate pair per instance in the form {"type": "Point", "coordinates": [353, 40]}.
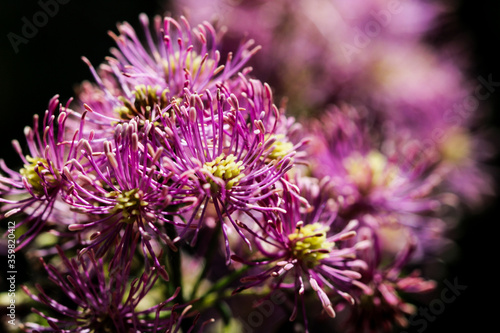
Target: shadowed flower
{"type": "Point", "coordinates": [381, 306]}
{"type": "Point", "coordinates": [464, 162]}
{"type": "Point", "coordinates": [104, 298]}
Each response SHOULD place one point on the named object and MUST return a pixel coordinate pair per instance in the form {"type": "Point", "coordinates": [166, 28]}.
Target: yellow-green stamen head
{"type": "Point", "coordinates": [145, 99]}
{"type": "Point", "coordinates": [370, 171]}
{"type": "Point", "coordinates": [280, 148]}
{"type": "Point", "coordinates": [193, 64]}
{"type": "Point", "coordinates": [30, 172]}
{"type": "Point", "coordinates": [309, 244]}
{"type": "Point", "coordinates": [129, 203]}
{"type": "Point", "coordinates": [225, 168]}
{"type": "Point", "coordinates": [456, 147]}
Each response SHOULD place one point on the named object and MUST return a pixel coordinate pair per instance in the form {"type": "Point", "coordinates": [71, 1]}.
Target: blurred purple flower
{"type": "Point", "coordinates": [374, 182]}
{"type": "Point", "coordinates": [315, 51]}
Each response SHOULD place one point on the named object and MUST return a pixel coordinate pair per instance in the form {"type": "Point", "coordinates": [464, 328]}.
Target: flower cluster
{"type": "Point", "coordinates": [176, 184]}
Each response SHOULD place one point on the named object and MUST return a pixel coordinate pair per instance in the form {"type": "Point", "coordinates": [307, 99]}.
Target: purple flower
{"type": "Point", "coordinates": [374, 182]}
{"type": "Point", "coordinates": [301, 248]}
{"type": "Point", "coordinates": [227, 151]}
{"type": "Point", "coordinates": [35, 190]}
{"type": "Point", "coordinates": [175, 53]}
{"type": "Point", "coordinates": [381, 306]}
{"type": "Point", "coordinates": [372, 53]}
{"type": "Point", "coordinates": [464, 156]}
{"type": "Point", "coordinates": [127, 189]}
{"type": "Point", "coordinates": [315, 51]}
{"type": "Point", "coordinates": [103, 298]}
{"type": "Point", "coordinates": [143, 78]}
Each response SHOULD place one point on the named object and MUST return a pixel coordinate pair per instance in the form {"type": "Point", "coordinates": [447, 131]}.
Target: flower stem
{"type": "Point", "coordinates": [215, 292]}
{"type": "Point", "coordinates": [173, 263]}
{"type": "Point", "coordinates": [209, 256]}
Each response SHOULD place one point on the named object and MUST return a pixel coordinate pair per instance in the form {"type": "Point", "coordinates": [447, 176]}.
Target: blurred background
{"type": "Point", "coordinates": [49, 63]}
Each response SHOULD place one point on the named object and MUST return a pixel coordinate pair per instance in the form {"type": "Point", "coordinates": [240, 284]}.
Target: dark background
{"type": "Point", "coordinates": [50, 63]}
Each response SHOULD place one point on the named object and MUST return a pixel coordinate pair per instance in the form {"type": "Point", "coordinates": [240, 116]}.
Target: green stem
{"type": "Point", "coordinates": [210, 254]}
{"type": "Point", "coordinates": [175, 275]}
{"type": "Point", "coordinates": [173, 264]}
{"type": "Point", "coordinates": [218, 288]}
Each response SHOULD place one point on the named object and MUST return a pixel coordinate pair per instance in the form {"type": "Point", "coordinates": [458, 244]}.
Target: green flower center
{"type": "Point", "coordinates": [280, 148]}
{"type": "Point", "coordinates": [456, 147]}
{"type": "Point", "coordinates": [146, 98]}
{"type": "Point", "coordinates": [39, 166]}
{"type": "Point", "coordinates": [225, 168]}
{"type": "Point", "coordinates": [310, 245]}
{"type": "Point", "coordinates": [370, 171]}
{"type": "Point", "coordinates": [129, 203]}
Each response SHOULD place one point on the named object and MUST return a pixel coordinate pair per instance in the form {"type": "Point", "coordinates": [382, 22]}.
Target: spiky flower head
{"type": "Point", "coordinates": [129, 191]}
{"type": "Point", "coordinates": [144, 78]}
{"type": "Point", "coordinates": [34, 191]}
{"type": "Point", "coordinates": [301, 248]}
{"type": "Point", "coordinates": [220, 146]}
{"type": "Point", "coordinates": [383, 302]}
{"type": "Point", "coordinates": [174, 54]}
{"type": "Point", "coordinates": [103, 298]}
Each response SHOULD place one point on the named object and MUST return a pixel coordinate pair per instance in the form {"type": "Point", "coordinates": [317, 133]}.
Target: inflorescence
{"type": "Point", "coordinates": [175, 181]}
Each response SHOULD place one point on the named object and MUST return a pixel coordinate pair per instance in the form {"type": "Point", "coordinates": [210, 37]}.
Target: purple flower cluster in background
{"type": "Point", "coordinates": [321, 150]}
